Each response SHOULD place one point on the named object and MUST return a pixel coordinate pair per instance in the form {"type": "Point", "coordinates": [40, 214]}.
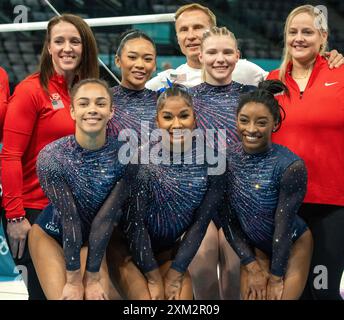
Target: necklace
{"type": "Point", "coordinates": [303, 77]}
{"type": "Point", "coordinates": [308, 72]}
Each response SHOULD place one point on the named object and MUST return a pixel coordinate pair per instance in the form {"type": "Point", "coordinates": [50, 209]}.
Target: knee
{"type": "Point", "coordinates": [34, 234]}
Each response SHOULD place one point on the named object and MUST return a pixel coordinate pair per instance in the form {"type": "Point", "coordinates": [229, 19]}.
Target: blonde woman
{"type": "Point", "coordinates": [313, 129]}
{"type": "Point", "coordinates": [216, 101]}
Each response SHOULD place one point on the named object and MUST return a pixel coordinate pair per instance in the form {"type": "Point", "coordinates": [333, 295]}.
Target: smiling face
{"type": "Point", "coordinates": [137, 63]}
{"type": "Point", "coordinates": [219, 56]}
{"type": "Point", "coordinates": [190, 26]}
{"type": "Point", "coordinates": [91, 110]}
{"type": "Point", "coordinates": [303, 39]}
{"type": "Point", "coordinates": [177, 118]}
{"type": "Point", "coordinates": [65, 47]}
{"type": "Point", "coordinates": [255, 124]}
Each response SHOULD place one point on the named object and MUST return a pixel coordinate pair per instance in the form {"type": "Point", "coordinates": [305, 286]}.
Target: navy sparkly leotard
{"type": "Point", "coordinates": [171, 200]}
{"type": "Point", "coordinates": [216, 108]}
{"type": "Point", "coordinates": [265, 191]}
{"type": "Point", "coordinates": [132, 107]}
{"type": "Point", "coordinates": [77, 182]}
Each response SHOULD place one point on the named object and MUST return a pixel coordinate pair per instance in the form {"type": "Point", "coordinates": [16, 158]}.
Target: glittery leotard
{"type": "Point", "coordinates": [171, 199]}
{"type": "Point", "coordinates": [77, 182]}
{"type": "Point", "coordinates": [265, 191]}
{"type": "Point", "coordinates": [216, 107]}
{"type": "Point", "coordinates": [131, 108]}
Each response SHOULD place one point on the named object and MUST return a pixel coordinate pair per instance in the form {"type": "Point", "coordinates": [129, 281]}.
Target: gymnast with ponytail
{"type": "Point", "coordinates": [266, 184]}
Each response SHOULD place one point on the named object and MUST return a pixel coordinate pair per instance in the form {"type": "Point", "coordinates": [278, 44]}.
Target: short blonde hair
{"type": "Point", "coordinates": [216, 31]}
{"type": "Point", "coordinates": [322, 26]}
{"type": "Point", "coordinates": [196, 6]}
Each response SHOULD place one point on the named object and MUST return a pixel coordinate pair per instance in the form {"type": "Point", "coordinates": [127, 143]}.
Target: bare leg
{"type": "Point", "coordinates": [264, 263]}
{"type": "Point", "coordinates": [298, 267]}
{"type": "Point", "coordinates": [186, 292]}
{"type": "Point", "coordinates": [229, 270]}
{"type": "Point", "coordinates": [127, 277]}
{"type": "Point", "coordinates": [49, 262]}
{"type": "Point", "coordinates": [297, 270]}
{"type": "Point", "coordinates": [48, 259]}
{"type": "Point", "coordinates": [133, 282]}
{"type": "Point", "coordinates": [109, 288]}
{"type": "Point", "coordinates": [203, 268]}
{"type": "Point", "coordinates": [105, 281]}
{"type": "Point", "coordinates": [124, 274]}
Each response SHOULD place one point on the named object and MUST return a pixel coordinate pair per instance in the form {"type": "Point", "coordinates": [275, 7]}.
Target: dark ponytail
{"type": "Point", "coordinates": [175, 90]}
{"type": "Point", "coordinates": [265, 94]}
{"type": "Point", "coordinates": [130, 35]}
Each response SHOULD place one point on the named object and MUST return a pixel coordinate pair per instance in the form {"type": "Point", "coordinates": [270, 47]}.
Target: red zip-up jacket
{"type": "Point", "coordinates": [314, 130]}
{"type": "Point", "coordinates": [4, 95]}
{"type": "Point", "coordinates": [33, 120]}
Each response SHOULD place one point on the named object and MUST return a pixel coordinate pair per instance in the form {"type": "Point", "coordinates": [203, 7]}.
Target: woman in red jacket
{"type": "Point", "coordinates": [313, 129]}
{"type": "Point", "coordinates": [38, 113]}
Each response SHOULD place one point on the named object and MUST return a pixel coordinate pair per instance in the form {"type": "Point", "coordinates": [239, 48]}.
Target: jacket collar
{"type": "Point", "coordinates": [318, 65]}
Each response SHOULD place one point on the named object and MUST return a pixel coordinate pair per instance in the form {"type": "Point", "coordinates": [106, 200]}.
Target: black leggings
{"type": "Point", "coordinates": [34, 288]}
{"type": "Point", "coordinates": [326, 223]}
